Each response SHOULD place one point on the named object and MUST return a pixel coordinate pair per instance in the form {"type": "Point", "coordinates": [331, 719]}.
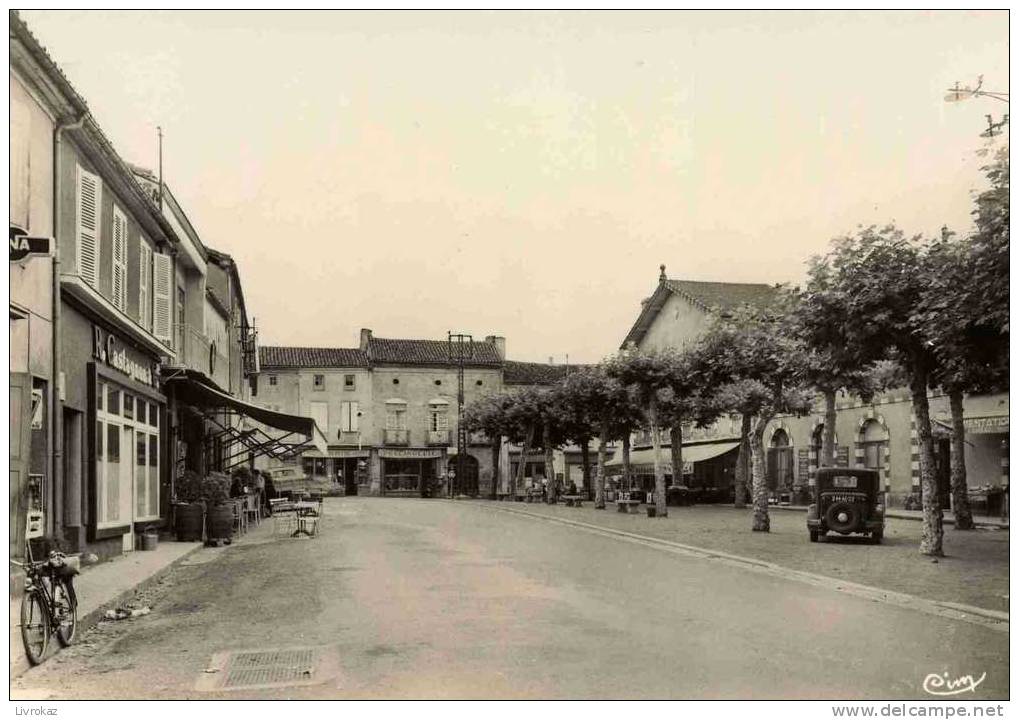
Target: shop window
{"type": "Point", "coordinates": [349, 382]}
{"type": "Point", "coordinates": [111, 506]}
{"type": "Point", "coordinates": [100, 395]}
{"type": "Point", "coordinates": [320, 382]}
{"type": "Point", "coordinates": [153, 475]}
{"type": "Point", "coordinates": [153, 415]}
{"type": "Point", "coordinates": [129, 406]}
{"type": "Point", "coordinates": [113, 402]}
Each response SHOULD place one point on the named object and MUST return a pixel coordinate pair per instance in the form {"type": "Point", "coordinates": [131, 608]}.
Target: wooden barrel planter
{"type": "Point", "coordinates": [188, 521]}
{"type": "Point", "coordinates": [219, 522]}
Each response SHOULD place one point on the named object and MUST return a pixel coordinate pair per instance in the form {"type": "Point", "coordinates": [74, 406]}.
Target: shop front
{"type": "Point", "coordinates": [411, 472]}
{"type": "Point", "coordinates": [114, 420]}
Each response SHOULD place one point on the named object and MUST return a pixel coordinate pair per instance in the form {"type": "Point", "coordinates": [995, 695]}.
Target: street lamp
{"type": "Point", "coordinates": [958, 93]}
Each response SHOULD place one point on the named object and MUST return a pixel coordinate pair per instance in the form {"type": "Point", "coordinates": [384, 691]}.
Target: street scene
{"type": "Point", "coordinates": [633, 358]}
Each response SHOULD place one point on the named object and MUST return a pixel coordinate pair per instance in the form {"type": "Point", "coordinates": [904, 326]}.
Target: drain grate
{"type": "Point", "coordinates": [258, 669]}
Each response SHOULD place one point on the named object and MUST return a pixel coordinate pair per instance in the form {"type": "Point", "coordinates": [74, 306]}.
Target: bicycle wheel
{"type": "Point", "coordinates": [65, 612]}
{"type": "Point", "coordinates": [35, 626]}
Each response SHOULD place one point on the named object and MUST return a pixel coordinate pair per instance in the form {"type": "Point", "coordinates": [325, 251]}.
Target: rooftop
{"type": "Point", "coordinates": [532, 373]}
{"type": "Point", "coordinates": [388, 351]}
{"type": "Point", "coordinates": [272, 357]}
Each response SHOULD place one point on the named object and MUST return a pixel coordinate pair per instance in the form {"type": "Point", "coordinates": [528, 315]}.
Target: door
{"type": "Point", "coordinates": [127, 489]}
{"type": "Point", "coordinates": [350, 476]}
{"type": "Point", "coordinates": [21, 410]}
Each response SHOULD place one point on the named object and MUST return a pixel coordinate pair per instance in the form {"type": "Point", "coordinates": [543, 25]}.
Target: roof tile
{"type": "Point", "coordinates": [305, 357]}
{"type": "Point", "coordinates": [428, 352]}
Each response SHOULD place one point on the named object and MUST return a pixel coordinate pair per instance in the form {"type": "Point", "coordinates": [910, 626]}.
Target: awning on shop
{"type": "Point", "coordinates": [691, 454]}
{"type": "Point", "coordinates": [299, 433]}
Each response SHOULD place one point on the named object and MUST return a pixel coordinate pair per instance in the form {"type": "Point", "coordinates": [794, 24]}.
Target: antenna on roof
{"type": "Point", "coordinates": [159, 132]}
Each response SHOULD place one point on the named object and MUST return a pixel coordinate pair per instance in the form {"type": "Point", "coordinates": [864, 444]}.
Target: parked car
{"type": "Point", "coordinates": [846, 501]}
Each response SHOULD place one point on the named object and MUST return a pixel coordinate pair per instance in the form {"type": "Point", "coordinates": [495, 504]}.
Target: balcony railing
{"type": "Point", "coordinates": [202, 354]}
{"type": "Point", "coordinates": [397, 437]}
{"type": "Point", "coordinates": [438, 437]}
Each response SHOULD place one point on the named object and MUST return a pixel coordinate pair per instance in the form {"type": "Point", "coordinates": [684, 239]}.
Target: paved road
{"type": "Point", "coordinates": [434, 599]}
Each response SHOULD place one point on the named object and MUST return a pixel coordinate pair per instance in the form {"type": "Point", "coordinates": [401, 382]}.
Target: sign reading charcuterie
{"type": "Point", "coordinates": [23, 246]}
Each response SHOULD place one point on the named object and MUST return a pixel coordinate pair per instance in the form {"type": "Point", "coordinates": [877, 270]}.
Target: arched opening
{"type": "Point", "coordinates": [780, 461]}
{"type": "Point", "coordinates": [873, 441]}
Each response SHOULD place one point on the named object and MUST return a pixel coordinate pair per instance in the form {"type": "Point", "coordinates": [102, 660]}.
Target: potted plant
{"type": "Point", "coordinates": [219, 514]}
{"type": "Point", "coordinates": [189, 510]}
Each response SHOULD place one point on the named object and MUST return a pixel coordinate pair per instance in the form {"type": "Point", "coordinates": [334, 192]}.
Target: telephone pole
{"type": "Point", "coordinates": [456, 343]}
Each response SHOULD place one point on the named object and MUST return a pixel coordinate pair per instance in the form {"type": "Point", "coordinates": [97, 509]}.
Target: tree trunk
{"type": "Point", "coordinates": [599, 487]}
{"type": "Point", "coordinates": [553, 487]}
{"type": "Point", "coordinates": [762, 522]}
{"type": "Point", "coordinates": [742, 460]}
{"type": "Point", "coordinates": [677, 454]}
{"type": "Point", "coordinates": [661, 509]}
{"type": "Point", "coordinates": [496, 451]}
{"type": "Point", "coordinates": [518, 481]}
{"type": "Point", "coordinates": [960, 493]}
{"type": "Point", "coordinates": [933, 531]}
{"type": "Point", "coordinates": [827, 458]}
{"type": "Point", "coordinates": [626, 462]}
{"type": "Point", "coordinates": [585, 461]}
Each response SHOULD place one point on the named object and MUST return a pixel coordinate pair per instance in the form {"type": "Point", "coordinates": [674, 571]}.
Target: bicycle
{"type": "Point", "coordinates": [49, 605]}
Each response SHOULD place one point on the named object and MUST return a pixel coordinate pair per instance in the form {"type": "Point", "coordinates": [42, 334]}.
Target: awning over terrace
{"type": "Point", "coordinates": [298, 433]}
{"type": "Point", "coordinates": [645, 458]}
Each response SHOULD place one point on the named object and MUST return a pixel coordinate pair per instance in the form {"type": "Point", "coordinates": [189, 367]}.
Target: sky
{"type": "Point", "coordinates": [524, 174]}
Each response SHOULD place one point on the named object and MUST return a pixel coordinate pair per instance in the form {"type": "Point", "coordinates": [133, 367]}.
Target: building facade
{"type": "Point", "coordinates": [879, 434]}
{"type": "Point", "coordinates": [390, 410]}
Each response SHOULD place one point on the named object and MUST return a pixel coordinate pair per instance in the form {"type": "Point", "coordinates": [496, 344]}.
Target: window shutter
{"type": "Point", "coordinates": [144, 284]}
{"type": "Point", "coordinates": [353, 416]}
{"type": "Point", "coordinates": [161, 284]}
{"type": "Point", "coordinates": [119, 259]}
{"type": "Point", "coordinates": [90, 200]}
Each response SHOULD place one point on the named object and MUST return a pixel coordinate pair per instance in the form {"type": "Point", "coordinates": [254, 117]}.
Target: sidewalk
{"type": "Point", "coordinates": [949, 518]}
{"type": "Point", "coordinates": [103, 586]}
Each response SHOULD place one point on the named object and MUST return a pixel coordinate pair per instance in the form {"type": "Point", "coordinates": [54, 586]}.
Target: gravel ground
{"type": "Point", "coordinates": [974, 571]}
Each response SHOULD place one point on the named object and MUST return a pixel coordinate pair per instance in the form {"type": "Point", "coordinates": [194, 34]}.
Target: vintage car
{"type": "Point", "coordinates": [847, 500]}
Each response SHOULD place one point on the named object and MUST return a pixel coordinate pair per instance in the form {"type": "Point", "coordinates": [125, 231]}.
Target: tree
{"type": "Point", "coordinates": [608, 408]}
{"type": "Point", "coordinates": [649, 374]}
{"type": "Point", "coordinates": [878, 279]}
{"type": "Point", "coordinates": [766, 365]}
{"type": "Point", "coordinates": [490, 415]}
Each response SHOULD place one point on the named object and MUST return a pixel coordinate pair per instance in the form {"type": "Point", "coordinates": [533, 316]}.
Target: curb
{"type": "Point", "coordinates": [992, 619]}
{"type": "Point", "coordinates": [900, 516]}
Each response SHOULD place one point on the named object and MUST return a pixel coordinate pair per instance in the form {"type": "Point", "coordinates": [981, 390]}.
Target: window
{"type": "Point", "coordinates": [144, 284]}
{"type": "Point", "coordinates": [440, 420]}
{"type": "Point", "coordinates": [272, 380]}
{"type": "Point", "coordinates": [873, 440]}
{"type": "Point", "coordinates": [162, 310]}
{"type": "Point", "coordinates": [348, 417]}
{"type": "Point", "coordinates": [348, 382]}
{"type": "Point", "coordinates": [320, 382]}
{"type": "Point", "coordinates": [87, 221]}
{"type": "Point", "coordinates": [396, 417]}
{"type": "Point", "coordinates": [119, 259]}
{"type": "Point", "coordinates": [320, 414]}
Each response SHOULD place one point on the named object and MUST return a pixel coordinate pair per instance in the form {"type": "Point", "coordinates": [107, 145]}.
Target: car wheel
{"type": "Point", "coordinates": [877, 536]}
{"type": "Point", "coordinates": [813, 535]}
{"type": "Point", "coordinates": [842, 517]}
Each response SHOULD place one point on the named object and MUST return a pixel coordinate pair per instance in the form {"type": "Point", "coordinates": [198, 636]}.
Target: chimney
{"type": "Point", "coordinates": [661, 275]}
{"type": "Point", "coordinates": [366, 336]}
{"type": "Point", "coordinates": [500, 344]}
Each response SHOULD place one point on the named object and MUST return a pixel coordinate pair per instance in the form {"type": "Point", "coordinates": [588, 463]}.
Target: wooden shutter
{"type": "Point", "coordinates": [353, 416]}
{"type": "Point", "coordinates": [90, 201]}
{"type": "Point", "coordinates": [161, 312]}
{"type": "Point", "coordinates": [144, 284]}
{"type": "Point", "coordinates": [119, 259]}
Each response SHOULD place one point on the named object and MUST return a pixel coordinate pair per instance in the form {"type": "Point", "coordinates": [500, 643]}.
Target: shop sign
{"type": "Point", "coordinates": [24, 247]}
{"type": "Point", "coordinates": [986, 425]}
{"type": "Point", "coordinates": [348, 453]}
{"type": "Point", "coordinates": [107, 350]}
{"type": "Point", "coordinates": [396, 453]}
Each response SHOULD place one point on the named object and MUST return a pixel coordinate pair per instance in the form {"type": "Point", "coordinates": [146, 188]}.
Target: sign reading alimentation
{"type": "Point", "coordinates": [23, 246]}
